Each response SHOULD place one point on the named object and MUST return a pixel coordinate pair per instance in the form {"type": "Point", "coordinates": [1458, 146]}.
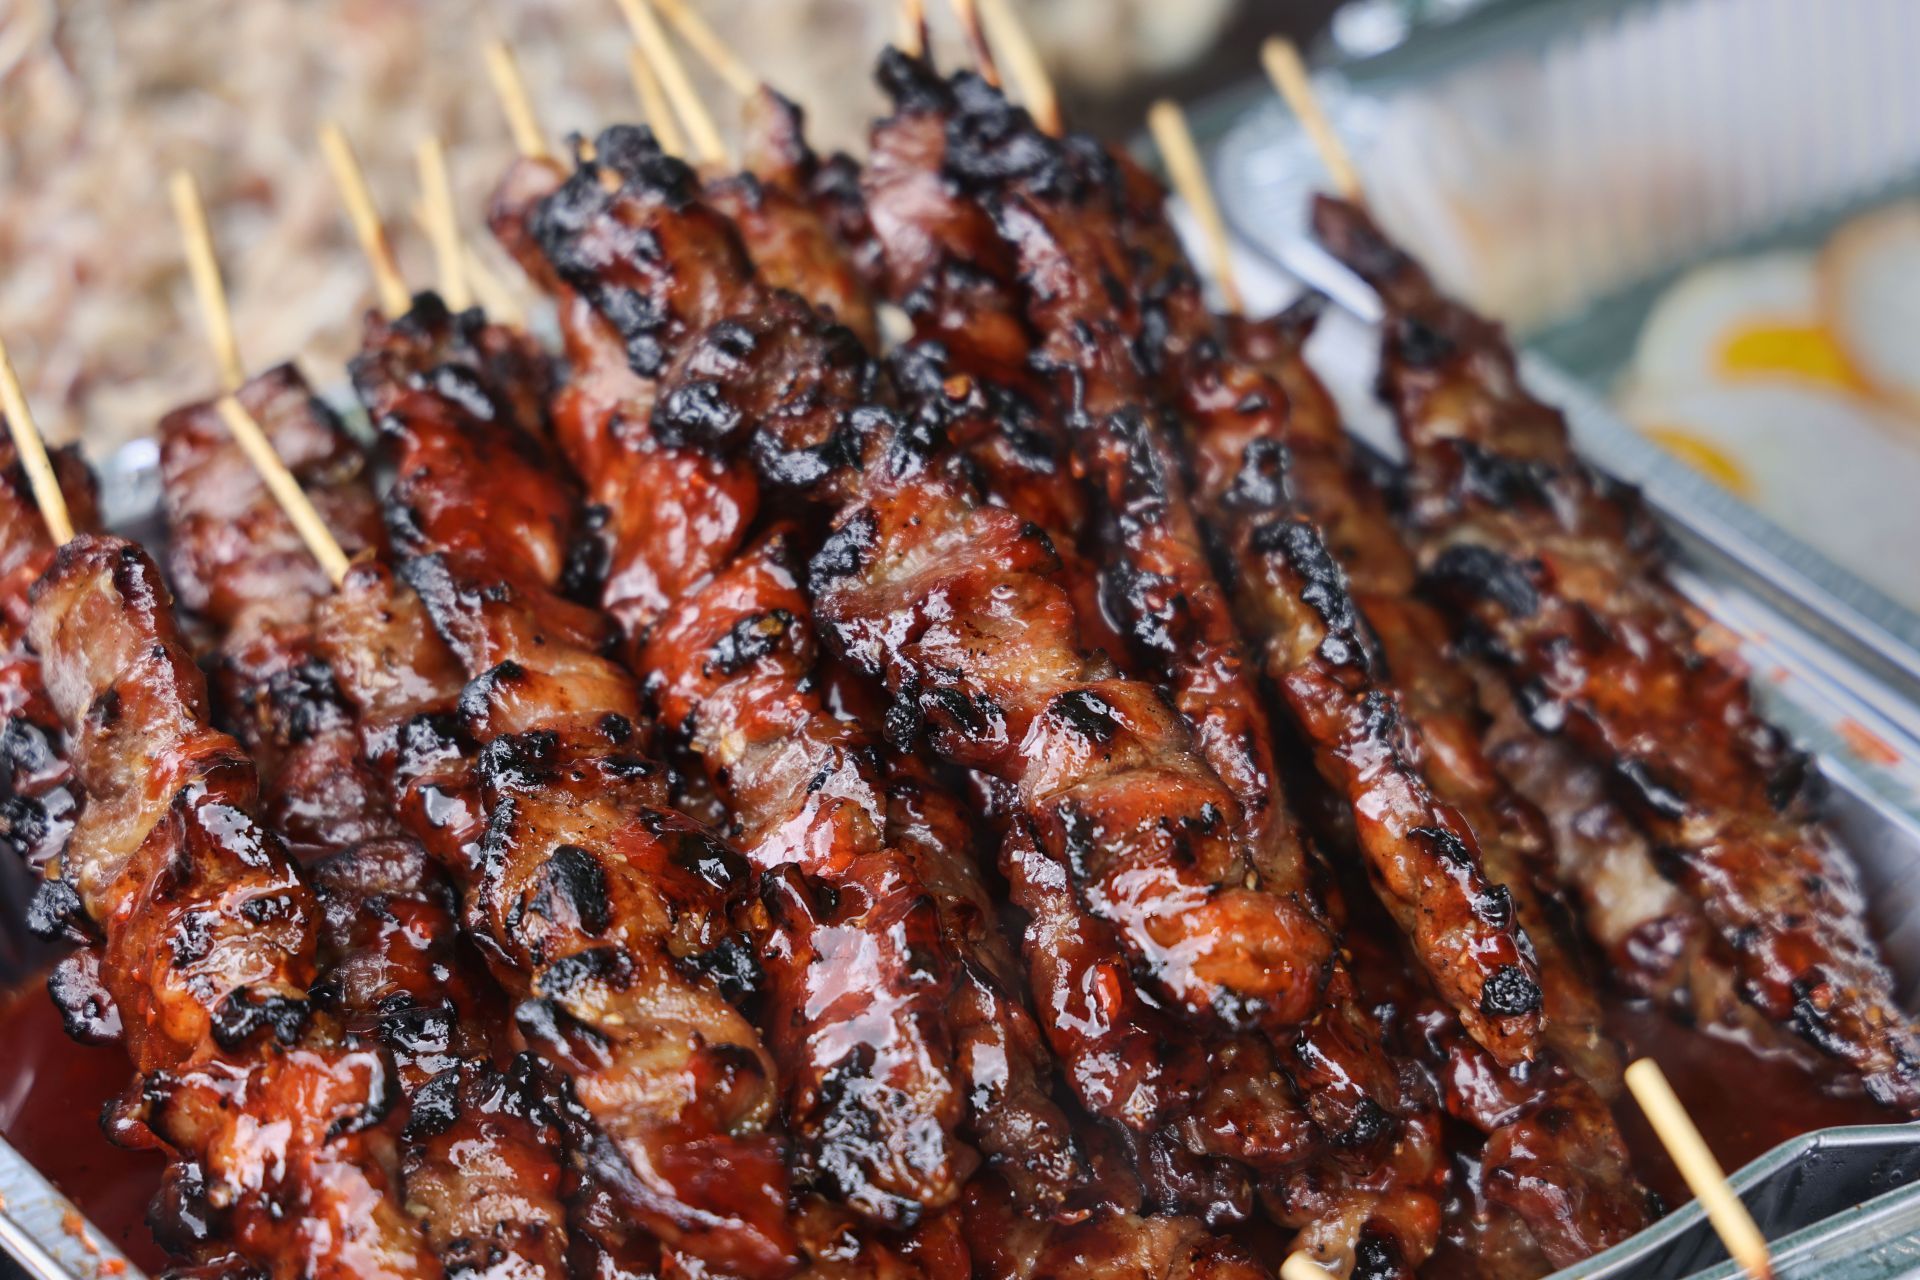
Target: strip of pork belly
{"type": "Point", "coordinates": [481, 1160]}
{"type": "Point", "coordinates": [39, 795]}
{"type": "Point", "coordinates": [269, 1109]}
{"type": "Point", "coordinates": [607, 912]}
{"type": "Point", "coordinates": [1559, 576]}
{"type": "Point", "coordinates": [852, 934]}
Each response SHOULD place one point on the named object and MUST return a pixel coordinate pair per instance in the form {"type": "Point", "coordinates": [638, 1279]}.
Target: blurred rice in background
{"type": "Point", "coordinates": [101, 99]}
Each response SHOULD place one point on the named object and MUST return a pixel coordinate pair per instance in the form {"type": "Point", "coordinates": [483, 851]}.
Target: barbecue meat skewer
{"type": "Point", "coordinates": [481, 1163]}
{"type": "Point", "coordinates": [1558, 576]}
{"type": "Point", "coordinates": [606, 912]}
{"type": "Point", "coordinates": [732, 668]}
{"type": "Point", "coordinates": [39, 796]}
{"type": "Point", "coordinates": [209, 943]}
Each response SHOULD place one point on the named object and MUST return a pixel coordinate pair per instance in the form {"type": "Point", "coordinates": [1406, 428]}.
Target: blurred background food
{"type": "Point", "coordinates": [100, 99]}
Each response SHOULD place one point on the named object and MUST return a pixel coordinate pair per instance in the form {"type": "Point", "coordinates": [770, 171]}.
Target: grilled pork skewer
{"type": "Point", "coordinates": [732, 666]}
{"type": "Point", "coordinates": [790, 449]}
{"type": "Point", "coordinates": [607, 912]}
{"type": "Point", "coordinates": [1558, 576]}
{"type": "Point", "coordinates": [209, 944]}
{"type": "Point", "coordinates": [1272, 469]}
{"type": "Point", "coordinates": [39, 796]}
{"type": "Point", "coordinates": [1244, 1109]}
{"type": "Point", "coordinates": [481, 1160]}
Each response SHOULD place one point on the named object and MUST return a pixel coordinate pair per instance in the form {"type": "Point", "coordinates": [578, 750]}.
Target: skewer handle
{"type": "Point", "coordinates": [1289, 75]}
{"type": "Point", "coordinates": [707, 146]}
{"type": "Point", "coordinates": [1168, 124]}
{"type": "Point", "coordinates": [653, 103]}
{"type": "Point", "coordinates": [33, 454]}
{"type": "Point", "coordinates": [394, 297]}
{"type": "Point", "coordinates": [1704, 1177]}
{"type": "Point", "coordinates": [913, 27]}
{"type": "Point", "coordinates": [1028, 69]}
{"type": "Point", "coordinates": [207, 286]}
{"type": "Point", "coordinates": [512, 92]}
{"type": "Point", "coordinates": [285, 489]}
{"type": "Point", "coordinates": [442, 224]}
{"type": "Point", "coordinates": [706, 42]}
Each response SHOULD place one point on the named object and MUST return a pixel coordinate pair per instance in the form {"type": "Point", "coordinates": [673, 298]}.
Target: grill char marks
{"type": "Point", "coordinates": [39, 795]}
{"type": "Point", "coordinates": [243, 573]}
{"type": "Point", "coordinates": [864, 955]}
{"type": "Point", "coordinates": [607, 914]}
{"type": "Point", "coordinates": [1066, 220]}
{"type": "Point", "coordinates": [209, 948]}
{"type": "Point", "coordinates": [475, 1151]}
{"type": "Point", "coordinates": [1558, 575]}
{"type": "Point", "coordinates": [1125, 1058]}
{"type": "Point", "coordinates": [1273, 468]}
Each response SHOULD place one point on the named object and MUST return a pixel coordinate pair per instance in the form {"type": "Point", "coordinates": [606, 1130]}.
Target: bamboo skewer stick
{"type": "Point", "coordinates": [1289, 75]}
{"type": "Point", "coordinates": [1168, 124]}
{"type": "Point", "coordinates": [705, 136]}
{"type": "Point", "coordinates": [33, 454]}
{"type": "Point", "coordinates": [442, 224]}
{"type": "Point", "coordinates": [246, 432]}
{"type": "Point", "coordinates": [490, 290]}
{"type": "Point", "coordinates": [706, 42]}
{"type": "Point", "coordinates": [913, 27]}
{"type": "Point", "coordinates": [1028, 69]}
{"type": "Point", "coordinates": [968, 12]}
{"type": "Point", "coordinates": [1704, 1176]}
{"type": "Point", "coordinates": [512, 92]}
{"type": "Point", "coordinates": [205, 270]}
{"type": "Point", "coordinates": [394, 297]}
{"type": "Point", "coordinates": [653, 103]}
{"type": "Point", "coordinates": [1648, 1084]}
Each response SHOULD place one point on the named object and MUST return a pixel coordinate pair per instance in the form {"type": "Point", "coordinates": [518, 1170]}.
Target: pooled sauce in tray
{"type": "Point", "coordinates": [51, 1092]}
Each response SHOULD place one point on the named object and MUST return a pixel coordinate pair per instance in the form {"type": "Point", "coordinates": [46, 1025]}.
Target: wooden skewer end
{"type": "Point", "coordinates": [1288, 71]}
{"type": "Point", "coordinates": [1703, 1174]}
{"type": "Point", "coordinates": [33, 454]}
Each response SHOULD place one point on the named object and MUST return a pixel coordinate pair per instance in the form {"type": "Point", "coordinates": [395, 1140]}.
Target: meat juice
{"type": "Point", "coordinates": [52, 1090]}
{"type": "Point", "coordinates": [51, 1093]}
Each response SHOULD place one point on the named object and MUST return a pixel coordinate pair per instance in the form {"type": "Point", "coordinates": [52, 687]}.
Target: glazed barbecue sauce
{"type": "Point", "coordinates": [51, 1093]}
{"type": "Point", "coordinates": [52, 1089]}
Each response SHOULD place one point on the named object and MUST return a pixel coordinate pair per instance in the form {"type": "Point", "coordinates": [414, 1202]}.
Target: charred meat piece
{"type": "Point", "coordinates": [475, 1146]}
{"type": "Point", "coordinates": [39, 795]}
{"type": "Point", "coordinates": [608, 914]}
{"type": "Point", "coordinates": [731, 674]}
{"type": "Point", "coordinates": [209, 948]}
{"type": "Point", "coordinates": [242, 573]}
{"type": "Point", "coordinates": [1557, 574]}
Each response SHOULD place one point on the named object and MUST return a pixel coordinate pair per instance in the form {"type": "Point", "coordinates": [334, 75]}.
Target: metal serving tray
{"type": "Point", "coordinates": [1839, 667]}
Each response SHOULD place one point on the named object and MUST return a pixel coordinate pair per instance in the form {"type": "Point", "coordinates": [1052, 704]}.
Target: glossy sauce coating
{"type": "Point", "coordinates": [605, 912]}
{"type": "Point", "coordinates": [479, 1163]}
{"type": "Point", "coordinates": [1559, 577]}
{"type": "Point", "coordinates": [269, 1111]}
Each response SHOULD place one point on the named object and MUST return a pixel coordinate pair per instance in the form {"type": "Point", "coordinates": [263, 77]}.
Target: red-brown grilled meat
{"type": "Point", "coordinates": [1116, 1046]}
{"type": "Point", "coordinates": [606, 911]}
{"type": "Point", "coordinates": [39, 796]}
{"type": "Point", "coordinates": [1558, 575]}
{"type": "Point", "coordinates": [859, 979]}
{"type": "Point", "coordinates": [270, 1109]}
{"type": "Point", "coordinates": [481, 1163]}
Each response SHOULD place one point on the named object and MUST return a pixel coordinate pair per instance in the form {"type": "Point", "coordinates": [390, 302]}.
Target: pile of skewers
{"type": "Point", "coordinates": [1022, 800]}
